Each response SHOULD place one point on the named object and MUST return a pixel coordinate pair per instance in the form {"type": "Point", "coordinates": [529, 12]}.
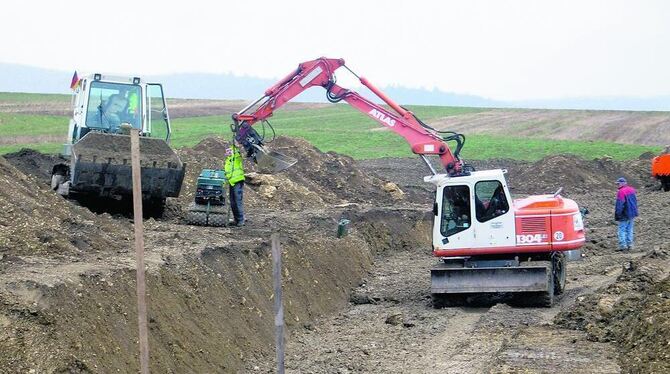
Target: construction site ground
{"type": "Point", "coordinates": [360, 303]}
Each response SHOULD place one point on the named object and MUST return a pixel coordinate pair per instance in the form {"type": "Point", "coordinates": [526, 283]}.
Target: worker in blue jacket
{"type": "Point", "coordinates": [625, 212]}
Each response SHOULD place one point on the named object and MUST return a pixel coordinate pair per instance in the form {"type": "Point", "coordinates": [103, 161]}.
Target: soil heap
{"type": "Point", "coordinates": [576, 175]}
{"type": "Point", "coordinates": [633, 313]}
{"type": "Point", "coordinates": [317, 180]}
{"type": "Point", "coordinates": [35, 220]}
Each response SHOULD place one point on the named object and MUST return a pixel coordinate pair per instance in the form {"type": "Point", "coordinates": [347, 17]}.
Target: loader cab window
{"type": "Point", "coordinates": [111, 104]}
{"type": "Point", "coordinates": [455, 210]}
{"type": "Point", "coordinates": [490, 200]}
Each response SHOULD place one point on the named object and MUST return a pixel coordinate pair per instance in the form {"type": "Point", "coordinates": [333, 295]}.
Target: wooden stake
{"type": "Point", "coordinates": [279, 308]}
{"type": "Point", "coordinates": [139, 248]}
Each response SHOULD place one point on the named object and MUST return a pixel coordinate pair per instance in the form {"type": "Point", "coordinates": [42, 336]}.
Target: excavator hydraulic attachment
{"type": "Point", "coordinates": [270, 162]}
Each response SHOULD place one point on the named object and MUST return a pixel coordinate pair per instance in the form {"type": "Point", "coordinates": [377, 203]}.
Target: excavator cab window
{"type": "Point", "coordinates": [111, 104]}
{"type": "Point", "coordinates": [490, 200]}
{"type": "Point", "coordinates": [456, 216]}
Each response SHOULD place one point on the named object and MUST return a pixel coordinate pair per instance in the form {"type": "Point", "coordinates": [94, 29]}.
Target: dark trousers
{"type": "Point", "coordinates": [236, 196]}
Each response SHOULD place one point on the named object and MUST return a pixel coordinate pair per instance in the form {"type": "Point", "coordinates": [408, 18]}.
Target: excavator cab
{"type": "Point", "coordinates": [473, 211]}
{"type": "Point", "coordinates": [110, 104]}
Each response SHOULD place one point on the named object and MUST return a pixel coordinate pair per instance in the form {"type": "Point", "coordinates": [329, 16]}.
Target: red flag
{"type": "Point", "coordinates": [75, 81]}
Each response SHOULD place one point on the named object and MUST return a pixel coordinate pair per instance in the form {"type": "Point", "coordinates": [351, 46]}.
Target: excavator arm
{"type": "Point", "coordinates": [423, 139]}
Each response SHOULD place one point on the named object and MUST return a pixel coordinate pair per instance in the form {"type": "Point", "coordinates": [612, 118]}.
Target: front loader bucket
{"type": "Point", "coordinates": [270, 162]}
{"type": "Point", "coordinates": [101, 165]}
{"type": "Point", "coordinates": [492, 279]}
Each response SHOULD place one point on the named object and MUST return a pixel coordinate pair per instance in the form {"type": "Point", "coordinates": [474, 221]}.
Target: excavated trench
{"type": "Point", "coordinates": [68, 279]}
{"type": "Point", "coordinates": [359, 303]}
{"type": "Point", "coordinates": [210, 305]}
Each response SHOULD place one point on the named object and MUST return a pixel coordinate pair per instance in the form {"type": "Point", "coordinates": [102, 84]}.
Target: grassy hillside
{"type": "Point", "coordinates": [335, 128]}
{"type": "Point", "coordinates": [344, 130]}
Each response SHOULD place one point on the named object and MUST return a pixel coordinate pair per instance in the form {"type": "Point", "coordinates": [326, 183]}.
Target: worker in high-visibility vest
{"type": "Point", "coordinates": [133, 108]}
{"type": "Point", "coordinates": [235, 176]}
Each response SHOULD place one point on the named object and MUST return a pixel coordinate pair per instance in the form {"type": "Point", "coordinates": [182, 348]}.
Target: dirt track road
{"type": "Point", "coordinates": [399, 332]}
{"type": "Point", "coordinates": [391, 327]}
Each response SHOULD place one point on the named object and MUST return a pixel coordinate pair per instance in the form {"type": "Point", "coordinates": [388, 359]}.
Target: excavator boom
{"type": "Point", "coordinates": [423, 139]}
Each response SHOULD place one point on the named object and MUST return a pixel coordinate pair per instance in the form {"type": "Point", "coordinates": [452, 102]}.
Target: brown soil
{"type": "Point", "coordinates": [34, 220]}
{"type": "Point", "coordinates": [34, 163]}
{"type": "Point", "coordinates": [354, 304]}
{"type": "Point", "coordinates": [633, 313]}
{"type": "Point", "coordinates": [316, 181]}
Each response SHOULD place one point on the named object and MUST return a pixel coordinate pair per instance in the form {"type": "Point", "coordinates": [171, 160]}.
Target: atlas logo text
{"type": "Point", "coordinates": [382, 117]}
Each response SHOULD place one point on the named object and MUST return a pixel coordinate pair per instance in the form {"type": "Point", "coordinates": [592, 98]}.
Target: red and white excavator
{"type": "Point", "coordinates": [486, 242]}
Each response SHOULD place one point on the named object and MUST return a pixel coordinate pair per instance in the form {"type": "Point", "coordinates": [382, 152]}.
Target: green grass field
{"type": "Point", "coordinates": [336, 128]}
{"type": "Point", "coordinates": [20, 97]}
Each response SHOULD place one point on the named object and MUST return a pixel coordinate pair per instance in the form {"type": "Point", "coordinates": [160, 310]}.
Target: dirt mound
{"type": "Point", "coordinates": [334, 176]}
{"type": "Point", "coordinates": [195, 277]}
{"type": "Point", "coordinates": [633, 313]}
{"type": "Point", "coordinates": [213, 146]}
{"type": "Point", "coordinates": [576, 175]}
{"type": "Point", "coordinates": [35, 220]}
{"type": "Point", "coordinates": [316, 180]}
{"type": "Point", "coordinates": [31, 162]}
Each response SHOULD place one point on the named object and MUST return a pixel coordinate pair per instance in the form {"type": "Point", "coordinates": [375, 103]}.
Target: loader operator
{"type": "Point", "coordinates": [235, 176]}
{"type": "Point", "coordinates": [109, 113]}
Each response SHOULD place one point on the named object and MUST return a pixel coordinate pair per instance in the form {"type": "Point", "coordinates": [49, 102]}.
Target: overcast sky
{"type": "Point", "coordinates": [505, 50]}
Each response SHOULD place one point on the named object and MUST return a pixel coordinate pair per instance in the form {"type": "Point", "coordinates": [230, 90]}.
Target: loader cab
{"type": "Point", "coordinates": [473, 211]}
{"type": "Point", "coordinates": [112, 105]}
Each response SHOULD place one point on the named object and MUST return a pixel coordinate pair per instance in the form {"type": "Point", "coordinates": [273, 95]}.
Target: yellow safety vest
{"type": "Point", "coordinates": [233, 168]}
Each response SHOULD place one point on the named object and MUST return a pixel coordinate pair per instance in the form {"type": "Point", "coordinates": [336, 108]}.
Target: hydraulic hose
{"type": "Point", "coordinates": [453, 136]}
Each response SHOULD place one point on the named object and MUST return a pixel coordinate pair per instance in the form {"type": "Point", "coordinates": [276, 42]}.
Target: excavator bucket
{"type": "Point", "coordinates": [270, 162]}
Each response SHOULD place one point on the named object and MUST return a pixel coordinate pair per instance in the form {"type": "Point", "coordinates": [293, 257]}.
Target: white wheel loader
{"type": "Point", "coordinates": [105, 108]}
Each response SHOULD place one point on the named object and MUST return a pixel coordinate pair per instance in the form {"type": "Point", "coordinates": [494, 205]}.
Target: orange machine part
{"type": "Point", "coordinates": [660, 166]}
